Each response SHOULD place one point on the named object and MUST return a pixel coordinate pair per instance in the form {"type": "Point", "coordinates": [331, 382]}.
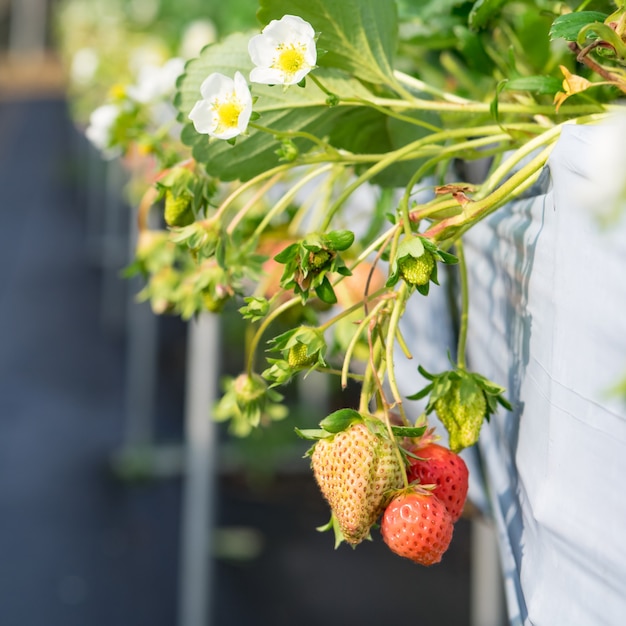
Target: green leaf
{"type": "Point", "coordinates": [365, 130]}
{"type": "Point", "coordinates": [289, 253]}
{"type": "Point", "coordinates": [568, 26]}
{"type": "Point", "coordinates": [311, 433]}
{"type": "Point", "coordinates": [291, 110]}
{"type": "Point", "coordinates": [425, 373]}
{"type": "Point", "coordinates": [325, 291]}
{"type": "Point", "coordinates": [422, 393]}
{"type": "Point", "coordinates": [493, 107]}
{"type": "Point", "coordinates": [408, 431]}
{"type": "Point", "coordinates": [535, 84]}
{"type": "Point", "coordinates": [410, 246]}
{"type": "Point", "coordinates": [256, 308]}
{"type": "Point", "coordinates": [483, 11]}
{"type": "Point", "coordinates": [359, 35]}
{"type": "Point", "coordinates": [339, 239]}
{"type": "Point", "coordinates": [340, 420]}
{"type": "Point", "coordinates": [447, 258]}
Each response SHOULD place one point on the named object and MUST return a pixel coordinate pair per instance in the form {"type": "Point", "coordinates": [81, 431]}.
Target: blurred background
{"type": "Point", "coordinates": [121, 503]}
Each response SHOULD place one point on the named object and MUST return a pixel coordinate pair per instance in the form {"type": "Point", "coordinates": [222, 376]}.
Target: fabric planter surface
{"type": "Point", "coordinates": [548, 322]}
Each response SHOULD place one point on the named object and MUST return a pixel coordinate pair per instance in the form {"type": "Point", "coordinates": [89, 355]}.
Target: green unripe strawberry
{"type": "Point", "coordinates": [178, 211]}
{"type": "Point", "coordinates": [463, 420]}
{"type": "Point", "coordinates": [298, 356]}
{"type": "Point", "coordinates": [212, 303]}
{"type": "Point", "coordinates": [417, 270]}
{"type": "Point", "coordinates": [318, 259]}
{"type": "Point", "coordinates": [356, 470]}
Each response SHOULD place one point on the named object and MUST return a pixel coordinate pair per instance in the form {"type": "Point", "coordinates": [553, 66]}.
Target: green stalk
{"type": "Point", "coordinates": [355, 337]}
{"type": "Point", "coordinates": [283, 203]}
{"type": "Point", "coordinates": [289, 134]}
{"type": "Point", "coordinates": [367, 389]}
{"type": "Point", "coordinates": [397, 155]}
{"type": "Point", "coordinates": [394, 321]}
{"type": "Point", "coordinates": [279, 169]}
{"type": "Point", "coordinates": [464, 319]}
{"type": "Point", "coordinates": [355, 307]}
{"type": "Point", "coordinates": [473, 212]}
{"type": "Point", "coordinates": [419, 85]}
{"type": "Point", "coordinates": [390, 113]}
{"type": "Point", "coordinates": [258, 194]}
{"type": "Point", "coordinates": [254, 343]}
{"type": "Point", "coordinates": [443, 154]}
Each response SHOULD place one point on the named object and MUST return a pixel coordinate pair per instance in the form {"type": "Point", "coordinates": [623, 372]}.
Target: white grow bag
{"type": "Point", "coordinates": [548, 322]}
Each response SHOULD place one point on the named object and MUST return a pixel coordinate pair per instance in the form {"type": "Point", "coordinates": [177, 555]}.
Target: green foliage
{"type": "Point", "coordinates": [569, 25]}
{"type": "Point", "coordinates": [337, 201]}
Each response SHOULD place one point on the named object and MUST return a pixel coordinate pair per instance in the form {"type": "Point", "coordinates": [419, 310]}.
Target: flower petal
{"type": "Point", "coordinates": [203, 117]}
{"type": "Point", "coordinates": [266, 76]}
{"type": "Point", "coordinates": [215, 84]}
{"type": "Point", "coordinates": [284, 53]}
{"type": "Point", "coordinates": [289, 27]}
{"type": "Point", "coordinates": [262, 50]}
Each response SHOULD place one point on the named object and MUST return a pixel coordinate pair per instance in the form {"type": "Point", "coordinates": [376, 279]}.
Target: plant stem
{"type": "Point", "coordinates": [475, 211]}
{"type": "Point", "coordinates": [353, 341]}
{"type": "Point", "coordinates": [263, 327]}
{"type": "Point", "coordinates": [289, 134]}
{"type": "Point", "coordinates": [355, 307]}
{"type": "Point", "coordinates": [259, 193]}
{"type": "Point", "coordinates": [464, 319]}
{"type": "Point", "coordinates": [409, 150]}
{"type": "Point", "coordinates": [283, 203]}
{"type": "Point", "coordinates": [279, 169]}
{"type": "Point", "coordinates": [419, 85]}
{"type": "Point", "coordinates": [394, 321]}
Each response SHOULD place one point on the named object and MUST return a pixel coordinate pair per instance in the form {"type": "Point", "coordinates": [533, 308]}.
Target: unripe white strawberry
{"type": "Point", "coordinates": [356, 471]}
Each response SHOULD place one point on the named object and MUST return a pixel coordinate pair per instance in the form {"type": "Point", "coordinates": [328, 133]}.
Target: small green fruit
{"type": "Point", "coordinates": [463, 421]}
{"type": "Point", "coordinates": [417, 270]}
{"type": "Point", "coordinates": [298, 357]}
{"type": "Point", "coordinates": [178, 211]}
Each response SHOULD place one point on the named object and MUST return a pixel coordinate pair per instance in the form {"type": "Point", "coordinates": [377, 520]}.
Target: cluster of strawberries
{"type": "Point", "coordinates": [361, 472]}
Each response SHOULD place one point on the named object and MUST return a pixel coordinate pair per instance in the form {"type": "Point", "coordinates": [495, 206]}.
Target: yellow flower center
{"type": "Point", "coordinates": [290, 58]}
{"type": "Point", "coordinates": [228, 112]}
{"type": "Point", "coordinates": [117, 92]}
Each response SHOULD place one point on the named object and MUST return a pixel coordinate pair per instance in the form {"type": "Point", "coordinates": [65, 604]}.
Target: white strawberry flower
{"type": "Point", "coordinates": [100, 130]}
{"type": "Point", "coordinates": [284, 53]}
{"type": "Point", "coordinates": [225, 108]}
{"type": "Point", "coordinates": [156, 82]}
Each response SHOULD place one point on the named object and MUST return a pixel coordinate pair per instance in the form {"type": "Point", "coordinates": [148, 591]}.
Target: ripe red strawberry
{"type": "Point", "coordinates": [355, 470]}
{"type": "Point", "coordinates": [416, 525]}
{"type": "Point", "coordinates": [439, 466]}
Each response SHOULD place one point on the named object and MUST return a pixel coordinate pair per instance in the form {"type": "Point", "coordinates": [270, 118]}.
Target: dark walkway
{"type": "Point", "coordinates": [77, 546]}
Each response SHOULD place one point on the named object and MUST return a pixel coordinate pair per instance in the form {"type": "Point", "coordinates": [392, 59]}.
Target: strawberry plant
{"type": "Point", "coordinates": [319, 151]}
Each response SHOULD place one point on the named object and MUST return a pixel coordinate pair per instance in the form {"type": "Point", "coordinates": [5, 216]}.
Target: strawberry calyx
{"type": "Point", "coordinates": [300, 348]}
{"type": "Point", "coordinates": [309, 261]}
{"type": "Point", "coordinates": [334, 525]}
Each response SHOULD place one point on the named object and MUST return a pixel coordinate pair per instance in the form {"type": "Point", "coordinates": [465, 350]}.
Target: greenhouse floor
{"type": "Point", "coordinates": [78, 545]}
